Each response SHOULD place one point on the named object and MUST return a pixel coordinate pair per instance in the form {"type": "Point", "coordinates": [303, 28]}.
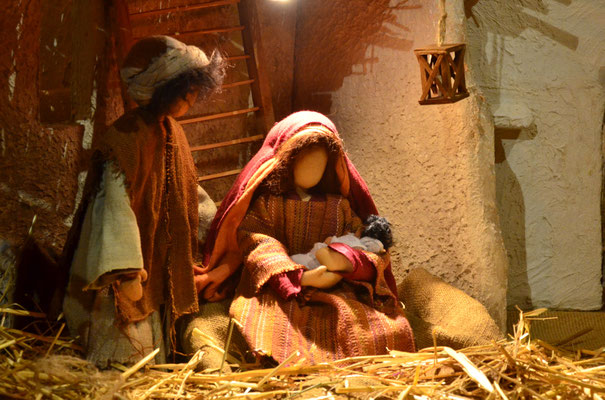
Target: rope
{"type": "Point", "coordinates": [441, 33]}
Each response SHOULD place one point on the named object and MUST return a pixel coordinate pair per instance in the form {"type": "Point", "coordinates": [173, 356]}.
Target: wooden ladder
{"type": "Point", "coordinates": [259, 90]}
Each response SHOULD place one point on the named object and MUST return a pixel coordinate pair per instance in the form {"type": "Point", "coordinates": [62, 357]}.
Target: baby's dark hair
{"type": "Point", "coordinates": [378, 227]}
{"type": "Point", "coordinates": [205, 80]}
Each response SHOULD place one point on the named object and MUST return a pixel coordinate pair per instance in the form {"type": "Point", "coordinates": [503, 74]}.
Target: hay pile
{"type": "Point", "coordinates": [46, 366]}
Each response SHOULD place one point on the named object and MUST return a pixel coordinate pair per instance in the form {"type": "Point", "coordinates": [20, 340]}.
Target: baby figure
{"type": "Point", "coordinates": [376, 238]}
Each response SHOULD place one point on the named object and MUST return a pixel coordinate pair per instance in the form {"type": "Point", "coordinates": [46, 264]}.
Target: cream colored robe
{"type": "Point", "coordinates": [109, 246]}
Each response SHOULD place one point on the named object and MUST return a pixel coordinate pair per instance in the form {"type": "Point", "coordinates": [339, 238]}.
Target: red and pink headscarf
{"type": "Point", "coordinates": [221, 242]}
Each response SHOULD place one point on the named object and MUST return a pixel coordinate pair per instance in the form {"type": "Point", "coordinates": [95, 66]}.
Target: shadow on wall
{"type": "Point", "coordinates": [491, 29]}
{"type": "Point", "coordinates": [329, 49]}
{"type": "Point", "coordinates": [511, 212]}
{"type": "Point", "coordinates": [513, 19]}
{"type": "Point", "coordinates": [510, 19]}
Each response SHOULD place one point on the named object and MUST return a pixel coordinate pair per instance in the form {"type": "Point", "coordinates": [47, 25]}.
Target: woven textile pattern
{"type": "Point", "coordinates": [167, 214]}
{"type": "Point", "coordinates": [350, 319]}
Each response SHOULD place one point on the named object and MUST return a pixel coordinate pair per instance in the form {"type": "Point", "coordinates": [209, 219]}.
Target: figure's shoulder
{"type": "Point", "coordinates": [338, 200]}
{"type": "Point", "coordinates": [131, 132]}
{"type": "Point", "coordinates": [132, 121]}
{"type": "Point", "coordinates": [265, 199]}
{"type": "Point", "coordinates": [260, 206]}
{"type": "Point", "coordinates": [127, 139]}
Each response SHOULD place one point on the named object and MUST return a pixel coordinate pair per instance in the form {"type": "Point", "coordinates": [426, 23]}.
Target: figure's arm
{"type": "Point", "coordinates": [265, 256]}
{"type": "Point", "coordinates": [320, 278]}
{"type": "Point", "coordinates": [350, 263]}
{"type": "Point", "coordinates": [206, 210]}
{"type": "Point", "coordinates": [334, 261]}
{"type": "Point", "coordinates": [343, 256]}
{"type": "Point", "coordinates": [267, 259]}
{"type": "Point", "coordinates": [109, 248]}
{"type": "Point", "coordinates": [287, 284]}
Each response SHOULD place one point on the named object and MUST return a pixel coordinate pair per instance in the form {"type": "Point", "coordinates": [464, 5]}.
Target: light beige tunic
{"type": "Point", "coordinates": [110, 246]}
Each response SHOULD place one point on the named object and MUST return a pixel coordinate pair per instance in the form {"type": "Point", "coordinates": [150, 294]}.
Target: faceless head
{"type": "Point", "coordinates": [309, 166]}
{"type": "Point", "coordinates": [182, 105]}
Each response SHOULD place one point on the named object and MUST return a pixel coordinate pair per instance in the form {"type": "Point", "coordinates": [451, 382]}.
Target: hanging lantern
{"type": "Point", "coordinates": [442, 69]}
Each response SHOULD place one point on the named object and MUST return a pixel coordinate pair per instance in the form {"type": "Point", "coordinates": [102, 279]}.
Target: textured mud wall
{"type": "Point", "coordinates": [429, 168]}
{"type": "Point", "coordinates": [49, 97]}
{"type": "Point", "coordinates": [39, 163]}
{"type": "Point", "coordinates": [541, 65]}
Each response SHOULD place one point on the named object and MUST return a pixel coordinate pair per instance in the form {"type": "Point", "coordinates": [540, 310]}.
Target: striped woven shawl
{"type": "Point", "coordinates": [350, 319]}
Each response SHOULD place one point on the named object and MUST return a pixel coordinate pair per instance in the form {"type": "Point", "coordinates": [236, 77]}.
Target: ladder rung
{"type": "Point", "coordinates": [219, 175]}
{"type": "Point", "coordinates": [217, 116]}
{"type": "Point", "coordinates": [236, 58]}
{"type": "Point", "coordinates": [184, 8]}
{"type": "Point", "coordinates": [234, 84]}
{"type": "Point", "coordinates": [203, 31]}
{"type": "Point", "coordinates": [227, 143]}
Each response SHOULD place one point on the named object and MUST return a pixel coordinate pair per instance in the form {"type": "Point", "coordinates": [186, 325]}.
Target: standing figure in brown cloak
{"type": "Point", "coordinates": [301, 188]}
{"type": "Point", "coordinates": [131, 248]}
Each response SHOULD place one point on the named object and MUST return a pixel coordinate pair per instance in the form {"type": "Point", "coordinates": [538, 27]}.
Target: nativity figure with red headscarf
{"type": "Point", "coordinates": [299, 189]}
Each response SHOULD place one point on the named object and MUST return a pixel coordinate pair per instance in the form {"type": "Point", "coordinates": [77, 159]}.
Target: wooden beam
{"type": "Point", "coordinates": [203, 31]}
{"type": "Point", "coordinates": [252, 41]}
{"type": "Point", "coordinates": [435, 49]}
{"type": "Point", "coordinates": [460, 81]}
{"type": "Point", "coordinates": [234, 84]}
{"type": "Point", "coordinates": [444, 100]}
{"type": "Point", "coordinates": [217, 116]}
{"type": "Point", "coordinates": [183, 8]}
{"type": "Point", "coordinates": [219, 175]}
{"type": "Point", "coordinates": [431, 78]}
{"type": "Point", "coordinates": [227, 143]}
{"type": "Point", "coordinates": [236, 58]}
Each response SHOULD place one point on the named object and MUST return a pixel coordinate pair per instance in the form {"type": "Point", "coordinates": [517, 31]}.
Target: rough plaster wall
{"type": "Point", "coordinates": [37, 163]}
{"type": "Point", "coordinates": [40, 162]}
{"type": "Point", "coordinates": [541, 66]}
{"type": "Point", "coordinates": [429, 168]}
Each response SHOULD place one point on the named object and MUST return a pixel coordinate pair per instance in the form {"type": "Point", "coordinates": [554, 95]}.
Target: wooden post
{"type": "Point", "coordinates": [261, 92]}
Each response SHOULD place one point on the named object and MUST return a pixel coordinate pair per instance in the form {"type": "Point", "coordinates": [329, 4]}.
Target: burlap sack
{"type": "Point", "coordinates": [456, 319]}
{"type": "Point", "coordinates": [213, 321]}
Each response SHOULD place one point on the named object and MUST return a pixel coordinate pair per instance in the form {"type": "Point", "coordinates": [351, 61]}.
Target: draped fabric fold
{"type": "Point", "coordinates": [353, 318]}
{"type": "Point", "coordinates": [161, 182]}
{"type": "Point", "coordinates": [258, 227]}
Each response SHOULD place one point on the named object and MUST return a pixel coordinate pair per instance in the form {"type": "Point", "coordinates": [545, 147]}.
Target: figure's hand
{"type": "Point", "coordinates": [130, 285]}
{"type": "Point", "coordinates": [207, 282]}
{"type": "Point", "coordinates": [320, 278]}
{"type": "Point", "coordinates": [333, 260]}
